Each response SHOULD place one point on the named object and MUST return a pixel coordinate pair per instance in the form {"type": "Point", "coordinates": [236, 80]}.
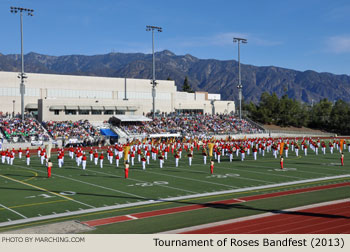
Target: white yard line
{"type": "Point", "coordinates": [197, 180]}
{"type": "Point", "coordinates": [331, 169]}
{"type": "Point", "coordinates": [8, 223]}
{"type": "Point", "coordinates": [182, 169]}
{"type": "Point", "coordinates": [202, 181]}
{"type": "Point", "coordinates": [137, 180]}
{"type": "Point", "coordinates": [299, 170]}
{"type": "Point", "coordinates": [324, 174]}
{"type": "Point", "coordinates": [273, 174]}
{"type": "Point", "coordinates": [238, 177]}
{"type": "Point", "coordinates": [13, 211]}
{"type": "Point", "coordinates": [45, 190]}
{"type": "Point", "coordinates": [87, 183]}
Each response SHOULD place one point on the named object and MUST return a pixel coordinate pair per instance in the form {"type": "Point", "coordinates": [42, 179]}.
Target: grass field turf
{"type": "Point", "coordinates": [27, 193]}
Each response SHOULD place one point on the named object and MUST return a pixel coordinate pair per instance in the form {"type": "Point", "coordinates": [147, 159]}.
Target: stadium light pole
{"type": "Point", "coordinates": [153, 82]}
{"type": "Point", "coordinates": [22, 75]}
{"type": "Point", "coordinates": [239, 41]}
{"type": "Point", "coordinates": [13, 113]}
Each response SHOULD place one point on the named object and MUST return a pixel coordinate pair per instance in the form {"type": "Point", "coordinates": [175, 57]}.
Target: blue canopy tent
{"type": "Point", "coordinates": [111, 134]}
{"type": "Point", "coordinates": [108, 132]}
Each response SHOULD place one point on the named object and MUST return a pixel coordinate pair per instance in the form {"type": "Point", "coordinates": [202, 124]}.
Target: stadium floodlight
{"type": "Point", "coordinates": [239, 86]}
{"type": "Point", "coordinates": [22, 75]}
{"type": "Point", "coordinates": [153, 82]}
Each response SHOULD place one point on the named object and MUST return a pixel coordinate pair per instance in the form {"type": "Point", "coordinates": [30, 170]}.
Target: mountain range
{"type": "Point", "coordinates": [211, 75]}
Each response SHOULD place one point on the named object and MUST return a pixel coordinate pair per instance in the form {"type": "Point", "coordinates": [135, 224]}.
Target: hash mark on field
{"type": "Point", "coordinates": [54, 212]}
{"type": "Point", "coordinates": [9, 219]}
{"type": "Point", "coordinates": [67, 211]}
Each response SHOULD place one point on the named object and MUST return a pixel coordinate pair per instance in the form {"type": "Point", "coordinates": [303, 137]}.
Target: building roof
{"type": "Point", "coordinates": [132, 118]}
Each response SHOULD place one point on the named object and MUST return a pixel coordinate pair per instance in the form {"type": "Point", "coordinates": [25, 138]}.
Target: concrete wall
{"type": "Point", "coordinates": [47, 112]}
{"type": "Point", "coordinates": [100, 91]}
{"type": "Point", "coordinates": [66, 87]}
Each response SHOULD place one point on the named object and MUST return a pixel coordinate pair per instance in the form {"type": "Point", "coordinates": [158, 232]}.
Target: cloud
{"type": "Point", "coordinates": [339, 13]}
{"type": "Point", "coordinates": [339, 44]}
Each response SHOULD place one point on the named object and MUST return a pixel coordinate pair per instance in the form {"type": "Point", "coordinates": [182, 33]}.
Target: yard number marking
{"type": "Point", "coordinates": [150, 183]}
{"type": "Point", "coordinates": [227, 175]}
{"type": "Point", "coordinates": [284, 169]}
{"type": "Point", "coordinates": [47, 196]}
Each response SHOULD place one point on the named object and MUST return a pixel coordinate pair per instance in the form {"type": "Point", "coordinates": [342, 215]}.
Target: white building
{"type": "Point", "coordinates": [68, 97]}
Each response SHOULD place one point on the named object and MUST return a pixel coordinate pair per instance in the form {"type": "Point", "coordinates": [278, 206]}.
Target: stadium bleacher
{"type": "Point", "coordinates": [16, 130]}
{"type": "Point", "coordinates": [191, 124]}
{"type": "Point", "coordinates": [81, 131]}
{"type": "Point", "coordinates": [200, 125]}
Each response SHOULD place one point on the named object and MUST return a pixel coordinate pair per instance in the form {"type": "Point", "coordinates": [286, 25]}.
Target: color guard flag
{"type": "Point", "coordinates": [48, 148]}
{"type": "Point", "coordinates": [341, 145]}
{"type": "Point", "coordinates": [211, 147]}
{"type": "Point", "coordinates": [126, 152]}
{"type": "Point", "coordinates": [281, 148]}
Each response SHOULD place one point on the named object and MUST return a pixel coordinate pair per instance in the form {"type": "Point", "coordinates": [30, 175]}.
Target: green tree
{"type": "Point", "coordinates": [339, 120]}
{"type": "Point", "coordinates": [186, 86]}
{"type": "Point", "coordinates": [320, 114]}
{"type": "Point", "coordinates": [289, 112]}
{"type": "Point", "coordinates": [303, 116]}
{"type": "Point", "coordinates": [251, 109]}
{"type": "Point", "coordinates": [268, 108]}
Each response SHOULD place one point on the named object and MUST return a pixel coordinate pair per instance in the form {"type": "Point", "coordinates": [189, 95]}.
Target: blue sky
{"type": "Point", "coordinates": [296, 34]}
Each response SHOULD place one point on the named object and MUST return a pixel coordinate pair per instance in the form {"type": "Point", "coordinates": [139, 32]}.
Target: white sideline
{"type": "Point", "coordinates": [21, 221]}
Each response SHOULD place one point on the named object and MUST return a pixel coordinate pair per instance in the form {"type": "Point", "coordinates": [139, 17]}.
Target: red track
{"type": "Point", "coordinates": [191, 207]}
{"type": "Point", "coordinates": [329, 219]}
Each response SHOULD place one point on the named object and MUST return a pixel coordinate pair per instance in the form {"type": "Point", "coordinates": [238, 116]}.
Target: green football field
{"type": "Point", "coordinates": [28, 197]}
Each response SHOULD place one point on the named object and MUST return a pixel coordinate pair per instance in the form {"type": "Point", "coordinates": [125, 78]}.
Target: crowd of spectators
{"type": "Point", "coordinates": [192, 124]}
{"type": "Point", "coordinates": [80, 130]}
{"type": "Point", "coordinates": [17, 130]}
